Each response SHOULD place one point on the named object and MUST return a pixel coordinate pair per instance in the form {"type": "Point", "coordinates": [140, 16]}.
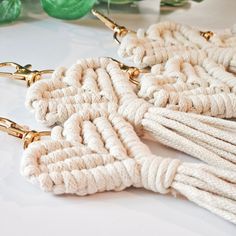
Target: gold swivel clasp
{"type": "Point", "coordinates": [28, 136]}
{"type": "Point", "coordinates": [23, 72]}
{"type": "Point", "coordinates": [206, 34]}
{"type": "Point", "coordinates": [132, 71]}
{"type": "Point", "coordinates": [119, 31]}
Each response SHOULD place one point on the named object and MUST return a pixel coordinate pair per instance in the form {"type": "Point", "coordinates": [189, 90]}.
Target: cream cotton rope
{"type": "Point", "coordinates": [163, 40]}
{"type": "Point", "coordinates": [97, 151]}
{"type": "Point", "coordinates": [172, 33]}
{"type": "Point", "coordinates": [191, 83]}
{"type": "Point", "coordinates": [99, 83]}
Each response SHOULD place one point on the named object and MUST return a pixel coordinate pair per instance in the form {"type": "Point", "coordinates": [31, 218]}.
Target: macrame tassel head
{"type": "Point", "coordinates": [101, 152]}
{"type": "Point", "coordinates": [85, 84]}
{"type": "Point", "coordinates": [191, 83]}
{"type": "Point", "coordinates": [163, 40]}
{"type": "Point", "coordinates": [172, 33]}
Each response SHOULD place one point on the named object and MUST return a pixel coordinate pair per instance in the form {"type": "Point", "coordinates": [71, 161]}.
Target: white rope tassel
{"type": "Point", "coordinates": [95, 153]}
{"type": "Point", "coordinates": [207, 142]}
{"type": "Point", "coordinates": [99, 84]}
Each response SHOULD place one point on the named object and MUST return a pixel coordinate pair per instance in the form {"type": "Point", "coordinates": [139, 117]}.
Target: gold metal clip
{"type": "Point", "coordinates": [119, 31]}
{"type": "Point", "coordinates": [133, 72]}
{"type": "Point", "coordinates": [23, 72]}
{"type": "Point", "coordinates": [28, 136]}
{"type": "Point", "coordinates": [206, 34]}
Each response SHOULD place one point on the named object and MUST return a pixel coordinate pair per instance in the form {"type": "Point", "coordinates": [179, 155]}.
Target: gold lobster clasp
{"type": "Point", "coordinates": [132, 71]}
{"type": "Point", "coordinates": [28, 136]}
{"type": "Point", "coordinates": [23, 72]}
{"type": "Point", "coordinates": [206, 34]}
{"type": "Point", "coordinates": [119, 31]}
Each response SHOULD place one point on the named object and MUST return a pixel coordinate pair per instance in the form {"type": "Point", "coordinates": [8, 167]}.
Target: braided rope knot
{"type": "Point", "coordinates": [157, 174]}
{"type": "Point", "coordinates": [134, 109]}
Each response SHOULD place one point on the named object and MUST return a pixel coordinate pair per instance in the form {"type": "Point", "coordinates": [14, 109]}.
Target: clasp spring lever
{"type": "Point", "coordinates": [23, 72]}
{"type": "Point", "coordinates": [13, 129]}
{"type": "Point", "coordinates": [119, 31]}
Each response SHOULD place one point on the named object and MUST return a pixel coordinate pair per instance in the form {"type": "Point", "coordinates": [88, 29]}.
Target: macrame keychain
{"type": "Point", "coordinates": [101, 83]}
{"type": "Point", "coordinates": [186, 80]}
{"type": "Point", "coordinates": [96, 151]}
{"type": "Point", "coordinates": [165, 39]}
{"type": "Point", "coordinates": [191, 83]}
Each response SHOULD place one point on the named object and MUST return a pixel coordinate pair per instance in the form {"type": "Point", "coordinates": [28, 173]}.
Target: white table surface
{"type": "Point", "coordinates": [24, 209]}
